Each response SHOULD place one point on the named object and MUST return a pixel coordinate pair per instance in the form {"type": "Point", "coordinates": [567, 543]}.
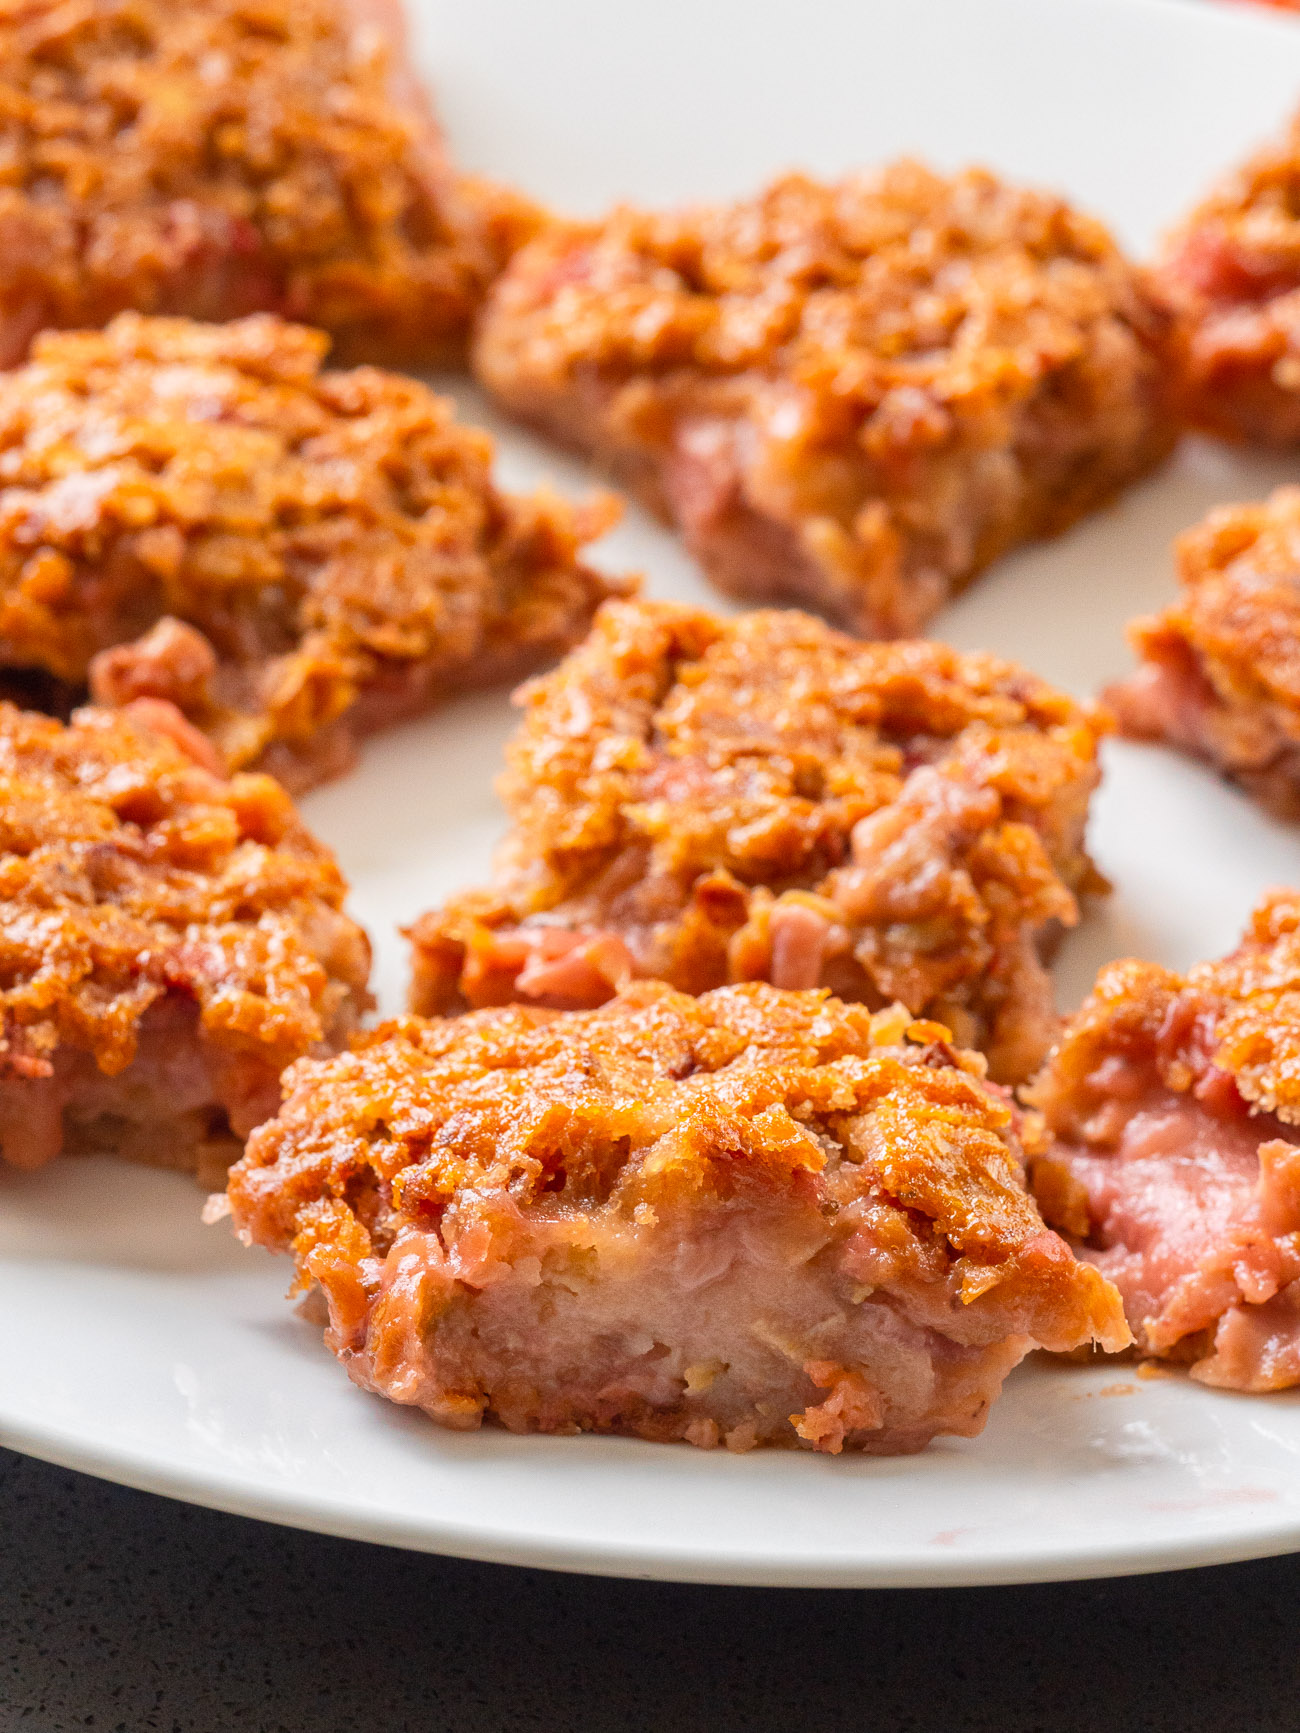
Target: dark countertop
{"type": "Point", "coordinates": [126, 1613]}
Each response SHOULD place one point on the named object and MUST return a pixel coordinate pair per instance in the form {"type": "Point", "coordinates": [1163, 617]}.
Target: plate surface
{"type": "Point", "coordinates": [141, 1346]}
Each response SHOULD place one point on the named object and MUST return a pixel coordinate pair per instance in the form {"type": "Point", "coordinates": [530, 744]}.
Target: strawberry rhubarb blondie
{"type": "Point", "coordinates": [756, 1217]}
{"type": "Point", "coordinates": [219, 157]}
{"type": "Point", "coordinates": [169, 941]}
{"type": "Point", "coordinates": [1175, 1105]}
{"type": "Point", "coordinates": [1230, 274]}
{"type": "Point", "coordinates": [705, 800]}
{"type": "Point", "coordinates": [1220, 669]}
{"type": "Point", "coordinates": [850, 395]}
{"type": "Point", "coordinates": [293, 555]}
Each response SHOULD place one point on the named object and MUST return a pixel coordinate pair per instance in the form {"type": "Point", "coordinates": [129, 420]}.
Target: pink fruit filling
{"type": "Point", "coordinates": [1195, 1216]}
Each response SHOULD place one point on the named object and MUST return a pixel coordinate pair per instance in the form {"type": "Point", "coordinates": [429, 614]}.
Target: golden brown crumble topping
{"type": "Point", "coordinates": [1238, 1015]}
{"type": "Point", "coordinates": [653, 1095]}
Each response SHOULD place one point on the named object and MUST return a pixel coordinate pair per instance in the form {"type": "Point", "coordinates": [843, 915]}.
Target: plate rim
{"type": "Point", "coordinates": [236, 1492]}
{"type": "Point", "coordinates": [318, 1513]}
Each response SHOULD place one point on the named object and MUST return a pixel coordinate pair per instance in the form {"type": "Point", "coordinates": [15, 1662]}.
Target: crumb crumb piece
{"type": "Point", "coordinates": [1230, 273]}
{"type": "Point", "coordinates": [850, 395]}
{"type": "Point", "coordinates": [169, 942]}
{"type": "Point", "coordinates": [310, 554]}
{"type": "Point", "coordinates": [468, 1195]}
{"type": "Point", "coordinates": [703, 800]}
{"type": "Point", "coordinates": [214, 159]}
{"type": "Point", "coordinates": [1219, 671]}
{"type": "Point", "coordinates": [1188, 1197]}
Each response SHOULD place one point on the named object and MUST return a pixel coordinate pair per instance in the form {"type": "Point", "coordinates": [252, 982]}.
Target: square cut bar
{"type": "Point", "coordinates": [1230, 274]}
{"type": "Point", "coordinates": [851, 396]}
{"type": "Point", "coordinates": [1220, 669]}
{"type": "Point", "coordinates": [1175, 1106]}
{"type": "Point", "coordinates": [310, 554]}
{"type": "Point", "coordinates": [757, 1217]}
{"type": "Point", "coordinates": [169, 942]}
{"type": "Point", "coordinates": [706, 800]}
{"type": "Point", "coordinates": [214, 158]}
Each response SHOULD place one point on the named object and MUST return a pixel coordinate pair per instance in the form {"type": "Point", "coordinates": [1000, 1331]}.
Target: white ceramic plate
{"type": "Point", "coordinates": [141, 1346]}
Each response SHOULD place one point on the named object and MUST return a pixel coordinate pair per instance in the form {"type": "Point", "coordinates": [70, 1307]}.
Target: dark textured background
{"type": "Point", "coordinates": [126, 1613]}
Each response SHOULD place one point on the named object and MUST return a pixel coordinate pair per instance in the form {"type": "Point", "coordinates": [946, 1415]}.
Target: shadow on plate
{"type": "Point", "coordinates": [92, 1210]}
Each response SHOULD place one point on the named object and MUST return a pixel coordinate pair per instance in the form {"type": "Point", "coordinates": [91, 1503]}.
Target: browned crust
{"type": "Point", "coordinates": [683, 782]}
{"type": "Point", "coordinates": [135, 884]}
{"type": "Point", "coordinates": [336, 537]}
{"type": "Point", "coordinates": [213, 159]}
{"type": "Point", "coordinates": [851, 395]}
{"type": "Point", "coordinates": [1221, 666]}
